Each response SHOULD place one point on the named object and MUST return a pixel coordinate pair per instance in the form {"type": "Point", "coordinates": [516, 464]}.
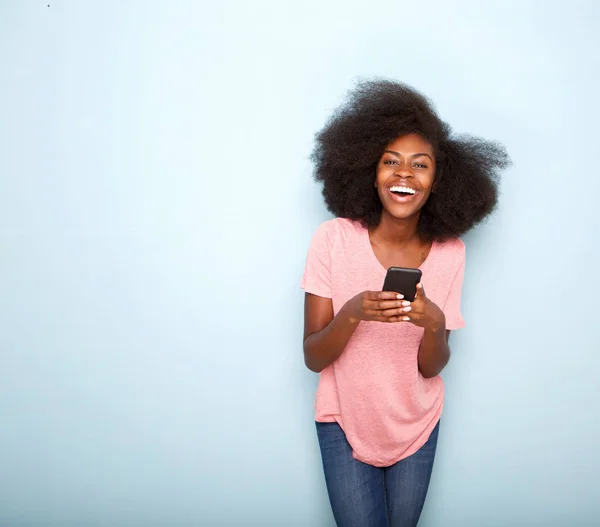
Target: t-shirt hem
{"type": "Point", "coordinates": [326, 419]}
{"type": "Point", "coordinates": [407, 453]}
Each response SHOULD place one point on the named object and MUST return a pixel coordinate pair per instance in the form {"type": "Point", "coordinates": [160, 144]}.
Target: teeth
{"type": "Point", "coordinates": [403, 189]}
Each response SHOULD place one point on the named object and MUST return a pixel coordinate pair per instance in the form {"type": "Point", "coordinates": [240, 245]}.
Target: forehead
{"type": "Point", "coordinates": [410, 144]}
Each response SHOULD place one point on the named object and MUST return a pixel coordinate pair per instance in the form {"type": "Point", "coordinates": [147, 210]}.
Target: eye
{"type": "Point", "coordinates": [390, 162]}
{"type": "Point", "coordinates": [420, 165]}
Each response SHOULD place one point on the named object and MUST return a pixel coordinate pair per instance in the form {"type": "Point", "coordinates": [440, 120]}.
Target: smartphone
{"type": "Point", "coordinates": [402, 280]}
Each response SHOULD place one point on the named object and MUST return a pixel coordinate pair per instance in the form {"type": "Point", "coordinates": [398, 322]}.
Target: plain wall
{"type": "Point", "coordinates": [156, 204]}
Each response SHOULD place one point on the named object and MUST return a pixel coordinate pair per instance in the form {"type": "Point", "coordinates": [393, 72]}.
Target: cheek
{"type": "Point", "coordinates": [379, 177]}
{"type": "Point", "coordinates": [427, 182]}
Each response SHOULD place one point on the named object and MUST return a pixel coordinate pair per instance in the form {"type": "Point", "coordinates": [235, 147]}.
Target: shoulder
{"type": "Point", "coordinates": [451, 252]}
{"type": "Point", "coordinates": [337, 229]}
{"type": "Point", "coordinates": [453, 246]}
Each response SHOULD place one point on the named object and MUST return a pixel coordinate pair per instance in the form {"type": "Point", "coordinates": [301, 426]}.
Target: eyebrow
{"type": "Point", "coordinates": [414, 155]}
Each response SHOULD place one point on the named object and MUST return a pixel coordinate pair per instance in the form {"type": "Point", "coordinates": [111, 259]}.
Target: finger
{"type": "Point", "coordinates": [400, 318]}
{"type": "Point", "coordinates": [385, 295]}
{"type": "Point", "coordinates": [379, 305]}
{"type": "Point", "coordinates": [394, 319]}
{"type": "Point", "coordinates": [421, 290]}
{"type": "Point", "coordinates": [398, 312]}
{"type": "Point", "coordinates": [384, 315]}
{"type": "Point", "coordinates": [379, 318]}
{"type": "Point", "coordinates": [386, 304]}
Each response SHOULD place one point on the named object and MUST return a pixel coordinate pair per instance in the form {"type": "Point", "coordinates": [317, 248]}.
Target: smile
{"type": "Point", "coordinates": [402, 194]}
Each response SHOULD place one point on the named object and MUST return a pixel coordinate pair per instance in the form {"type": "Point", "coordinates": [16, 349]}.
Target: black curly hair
{"type": "Point", "coordinates": [374, 114]}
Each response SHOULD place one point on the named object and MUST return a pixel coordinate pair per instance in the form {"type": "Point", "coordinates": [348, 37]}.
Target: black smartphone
{"type": "Point", "coordinates": [402, 280]}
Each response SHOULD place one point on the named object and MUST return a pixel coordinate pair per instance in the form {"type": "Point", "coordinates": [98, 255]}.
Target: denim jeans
{"type": "Point", "coordinates": [365, 496]}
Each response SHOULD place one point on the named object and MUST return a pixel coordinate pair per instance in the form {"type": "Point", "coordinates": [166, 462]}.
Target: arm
{"type": "Point", "coordinates": [326, 336]}
{"type": "Point", "coordinates": [434, 352]}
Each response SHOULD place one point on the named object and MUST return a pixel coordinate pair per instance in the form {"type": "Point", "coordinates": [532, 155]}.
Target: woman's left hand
{"type": "Point", "coordinates": [424, 312]}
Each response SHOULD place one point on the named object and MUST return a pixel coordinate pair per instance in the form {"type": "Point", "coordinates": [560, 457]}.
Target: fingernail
{"type": "Point", "coordinates": [406, 303]}
{"type": "Point", "coordinates": [399, 297]}
{"type": "Point", "coordinates": [406, 309]}
{"type": "Point", "coordinates": [406, 318]}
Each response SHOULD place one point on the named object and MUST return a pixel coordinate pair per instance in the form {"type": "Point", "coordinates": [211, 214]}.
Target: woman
{"type": "Point", "coordinates": [403, 189]}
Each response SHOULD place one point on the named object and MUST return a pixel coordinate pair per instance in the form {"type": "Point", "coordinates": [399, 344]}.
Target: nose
{"type": "Point", "coordinates": [404, 172]}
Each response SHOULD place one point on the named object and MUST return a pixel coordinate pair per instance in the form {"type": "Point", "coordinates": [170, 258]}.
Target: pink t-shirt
{"type": "Point", "coordinates": [374, 390]}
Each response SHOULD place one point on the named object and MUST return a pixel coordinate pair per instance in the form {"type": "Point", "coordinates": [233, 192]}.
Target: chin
{"type": "Point", "coordinates": [401, 213]}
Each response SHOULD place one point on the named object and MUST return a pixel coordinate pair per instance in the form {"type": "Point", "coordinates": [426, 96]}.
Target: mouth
{"type": "Point", "coordinates": [403, 194]}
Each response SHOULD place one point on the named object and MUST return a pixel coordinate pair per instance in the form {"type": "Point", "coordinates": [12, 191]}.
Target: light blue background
{"type": "Point", "coordinates": [156, 204]}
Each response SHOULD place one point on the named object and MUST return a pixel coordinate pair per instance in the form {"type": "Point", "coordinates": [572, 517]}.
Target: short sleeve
{"type": "Point", "coordinates": [454, 318]}
{"type": "Point", "coordinates": [317, 272]}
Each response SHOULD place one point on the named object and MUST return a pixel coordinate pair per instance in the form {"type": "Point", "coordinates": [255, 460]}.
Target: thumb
{"type": "Point", "coordinates": [421, 291]}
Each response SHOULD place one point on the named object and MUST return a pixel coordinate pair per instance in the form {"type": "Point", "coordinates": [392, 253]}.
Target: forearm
{"type": "Point", "coordinates": [434, 351]}
{"type": "Point", "coordinates": [324, 347]}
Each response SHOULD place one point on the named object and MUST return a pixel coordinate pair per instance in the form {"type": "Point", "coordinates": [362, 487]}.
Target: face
{"type": "Point", "coordinates": [405, 175]}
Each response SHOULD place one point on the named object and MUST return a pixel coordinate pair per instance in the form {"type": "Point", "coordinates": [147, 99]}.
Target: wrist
{"type": "Point", "coordinates": [348, 314]}
{"type": "Point", "coordinates": [437, 323]}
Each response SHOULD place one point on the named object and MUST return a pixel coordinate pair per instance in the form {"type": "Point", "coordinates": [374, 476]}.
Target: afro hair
{"type": "Point", "coordinates": [376, 113]}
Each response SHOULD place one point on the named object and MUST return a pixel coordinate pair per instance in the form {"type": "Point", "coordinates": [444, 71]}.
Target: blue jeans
{"type": "Point", "coordinates": [365, 496]}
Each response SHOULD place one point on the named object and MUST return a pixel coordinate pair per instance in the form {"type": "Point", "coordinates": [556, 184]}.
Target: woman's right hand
{"type": "Point", "coordinates": [326, 335]}
{"type": "Point", "coordinates": [378, 306]}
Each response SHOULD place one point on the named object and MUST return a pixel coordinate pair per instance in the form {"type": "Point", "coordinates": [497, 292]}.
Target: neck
{"type": "Point", "coordinates": [397, 232]}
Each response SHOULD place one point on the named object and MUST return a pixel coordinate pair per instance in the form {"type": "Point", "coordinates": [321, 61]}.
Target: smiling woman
{"type": "Point", "coordinates": [403, 190]}
{"type": "Point", "coordinates": [405, 175]}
